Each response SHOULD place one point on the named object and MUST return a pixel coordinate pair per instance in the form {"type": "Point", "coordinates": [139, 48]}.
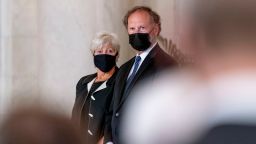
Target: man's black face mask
{"type": "Point", "coordinates": [139, 41]}
{"type": "Point", "coordinates": [104, 62]}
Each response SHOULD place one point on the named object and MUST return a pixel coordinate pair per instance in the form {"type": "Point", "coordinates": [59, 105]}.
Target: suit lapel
{"type": "Point", "coordinates": [102, 86]}
{"type": "Point", "coordinates": [148, 60]}
{"type": "Point", "coordinates": [124, 76]}
{"type": "Point", "coordinates": [89, 85]}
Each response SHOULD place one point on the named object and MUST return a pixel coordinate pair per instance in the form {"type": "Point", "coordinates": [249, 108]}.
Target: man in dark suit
{"type": "Point", "coordinates": [143, 26]}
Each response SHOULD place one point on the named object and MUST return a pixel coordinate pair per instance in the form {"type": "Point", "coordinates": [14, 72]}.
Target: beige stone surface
{"type": "Point", "coordinates": [45, 45]}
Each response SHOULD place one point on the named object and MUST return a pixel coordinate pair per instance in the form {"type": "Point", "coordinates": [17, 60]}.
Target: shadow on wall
{"type": "Point", "coordinates": [174, 52]}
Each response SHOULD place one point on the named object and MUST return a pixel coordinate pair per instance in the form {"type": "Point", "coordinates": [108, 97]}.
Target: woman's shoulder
{"type": "Point", "coordinates": [86, 79]}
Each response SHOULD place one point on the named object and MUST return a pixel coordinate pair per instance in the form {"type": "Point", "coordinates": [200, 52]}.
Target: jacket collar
{"type": "Point", "coordinates": [89, 78]}
{"type": "Point", "coordinates": [102, 86]}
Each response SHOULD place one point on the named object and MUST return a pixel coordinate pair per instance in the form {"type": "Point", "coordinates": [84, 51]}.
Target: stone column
{"type": "Point", "coordinates": [19, 66]}
{"type": "Point", "coordinates": [5, 55]}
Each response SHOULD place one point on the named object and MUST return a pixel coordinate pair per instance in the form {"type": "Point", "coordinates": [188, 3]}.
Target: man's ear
{"type": "Point", "coordinates": [156, 29]}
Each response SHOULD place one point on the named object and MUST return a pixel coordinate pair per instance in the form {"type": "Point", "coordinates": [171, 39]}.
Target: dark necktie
{"type": "Point", "coordinates": [136, 66]}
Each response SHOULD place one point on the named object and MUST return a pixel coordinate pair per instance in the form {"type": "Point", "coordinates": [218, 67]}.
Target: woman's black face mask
{"type": "Point", "coordinates": [105, 62]}
{"type": "Point", "coordinates": [139, 41]}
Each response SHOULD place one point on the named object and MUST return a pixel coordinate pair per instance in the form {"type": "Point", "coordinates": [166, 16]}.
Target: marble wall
{"type": "Point", "coordinates": [67, 30]}
{"type": "Point", "coordinates": [5, 56]}
{"type": "Point", "coordinates": [45, 45]}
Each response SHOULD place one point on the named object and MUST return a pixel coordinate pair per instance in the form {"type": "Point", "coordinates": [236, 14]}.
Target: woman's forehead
{"type": "Point", "coordinates": [105, 46]}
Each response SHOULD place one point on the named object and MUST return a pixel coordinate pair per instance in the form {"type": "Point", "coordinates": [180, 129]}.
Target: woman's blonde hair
{"type": "Point", "coordinates": [103, 38]}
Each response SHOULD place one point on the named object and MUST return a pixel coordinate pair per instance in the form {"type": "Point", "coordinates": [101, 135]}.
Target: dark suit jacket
{"type": "Point", "coordinates": [156, 61]}
{"type": "Point", "coordinates": [230, 134]}
{"type": "Point", "coordinates": [99, 106]}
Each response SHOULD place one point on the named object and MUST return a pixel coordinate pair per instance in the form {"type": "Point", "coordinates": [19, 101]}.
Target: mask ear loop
{"type": "Point", "coordinates": [116, 55]}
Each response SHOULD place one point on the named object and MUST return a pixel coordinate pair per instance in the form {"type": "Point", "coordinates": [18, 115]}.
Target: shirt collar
{"type": "Point", "coordinates": [146, 52]}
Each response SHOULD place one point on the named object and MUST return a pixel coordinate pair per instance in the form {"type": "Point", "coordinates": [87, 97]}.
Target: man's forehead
{"type": "Point", "coordinates": [141, 17]}
{"type": "Point", "coordinates": [139, 13]}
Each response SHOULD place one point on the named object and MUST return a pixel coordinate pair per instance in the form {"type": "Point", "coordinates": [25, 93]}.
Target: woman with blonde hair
{"type": "Point", "coordinates": [94, 92]}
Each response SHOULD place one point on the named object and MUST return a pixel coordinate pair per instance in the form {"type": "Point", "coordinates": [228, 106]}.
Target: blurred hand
{"type": "Point", "coordinates": [101, 141]}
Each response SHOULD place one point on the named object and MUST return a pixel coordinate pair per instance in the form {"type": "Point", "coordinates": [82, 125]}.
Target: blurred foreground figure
{"type": "Point", "coordinates": [226, 43]}
{"type": "Point", "coordinates": [215, 103]}
{"type": "Point", "coordinates": [36, 126]}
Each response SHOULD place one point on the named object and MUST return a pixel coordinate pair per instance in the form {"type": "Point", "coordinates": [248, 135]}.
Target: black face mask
{"type": "Point", "coordinates": [139, 41]}
{"type": "Point", "coordinates": [104, 62]}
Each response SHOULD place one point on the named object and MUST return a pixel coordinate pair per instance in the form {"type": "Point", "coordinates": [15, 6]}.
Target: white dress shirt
{"type": "Point", "coordinates": [143, 55]}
